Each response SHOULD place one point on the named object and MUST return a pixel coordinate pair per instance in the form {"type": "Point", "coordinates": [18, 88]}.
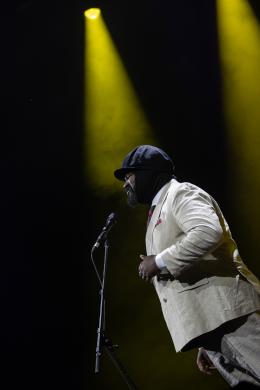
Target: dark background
{"type": "Point", "coordinates": [170, 51]}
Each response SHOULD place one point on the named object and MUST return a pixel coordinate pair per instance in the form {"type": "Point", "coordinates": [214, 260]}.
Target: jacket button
{"type": "Point", "coordinates": [164, 300]}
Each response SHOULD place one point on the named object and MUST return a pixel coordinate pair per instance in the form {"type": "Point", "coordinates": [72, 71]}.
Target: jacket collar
{"type": "Point", "coordinates": [162, 195]}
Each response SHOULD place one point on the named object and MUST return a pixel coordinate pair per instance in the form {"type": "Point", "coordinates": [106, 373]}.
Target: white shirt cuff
{"type": "Point", "coordinates": [159, 262]}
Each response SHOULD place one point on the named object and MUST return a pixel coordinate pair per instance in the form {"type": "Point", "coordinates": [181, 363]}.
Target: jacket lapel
{"type": "Point", "coordinates": [155, 216]}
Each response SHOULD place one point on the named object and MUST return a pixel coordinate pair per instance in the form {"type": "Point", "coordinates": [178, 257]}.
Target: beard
{"type": "Point", "coordinates": [131, 196]}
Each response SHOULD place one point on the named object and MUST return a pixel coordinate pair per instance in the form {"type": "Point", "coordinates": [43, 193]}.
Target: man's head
{"type": "Point", "coordinates": [150, 168]}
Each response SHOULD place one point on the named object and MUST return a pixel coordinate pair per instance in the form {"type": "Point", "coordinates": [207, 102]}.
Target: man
{"type": "Point", "coordinates": [209, 298]}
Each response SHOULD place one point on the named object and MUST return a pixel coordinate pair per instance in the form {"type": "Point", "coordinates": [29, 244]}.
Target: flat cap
{"type": "Point", "coordinates": [145, 157]}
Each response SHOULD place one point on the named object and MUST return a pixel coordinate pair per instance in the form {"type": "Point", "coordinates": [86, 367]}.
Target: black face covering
{"type": "Point", "coordinates": [148, 183]}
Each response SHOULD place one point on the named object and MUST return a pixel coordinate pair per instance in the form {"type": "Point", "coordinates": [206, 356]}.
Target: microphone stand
{"type": "Point", "coordinates": [102, 339]}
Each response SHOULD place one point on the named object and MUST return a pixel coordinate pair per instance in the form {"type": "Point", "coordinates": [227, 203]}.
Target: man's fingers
{"type": "Point", "coordinates": [143, 275]}
{"type": "Point", "coordinates": [140, 267]}
{"type": "Point", "coordinates": [204, 367]}
{"type": "Point", "coordinates": [145, 269]}
{"type": "Point", "coordinates": [203, 363]}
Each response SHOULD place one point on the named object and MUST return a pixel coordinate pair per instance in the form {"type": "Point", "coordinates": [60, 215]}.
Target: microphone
{"type": "Point", "coordinates": [111, 220]}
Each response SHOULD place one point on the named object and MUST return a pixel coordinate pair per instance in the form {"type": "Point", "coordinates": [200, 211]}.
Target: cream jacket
{"type": "Point", "coordinates": [189, 231]}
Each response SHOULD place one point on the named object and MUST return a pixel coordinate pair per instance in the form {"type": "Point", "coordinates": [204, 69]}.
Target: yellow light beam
{"type": "Point", "coordinates": [239, 39]}
{"type": "Point", "coordinates": [114, 120]}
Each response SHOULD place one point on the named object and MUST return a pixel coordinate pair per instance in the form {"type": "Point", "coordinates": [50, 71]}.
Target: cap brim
{"type": "Point", "coordinates": [121, 172]}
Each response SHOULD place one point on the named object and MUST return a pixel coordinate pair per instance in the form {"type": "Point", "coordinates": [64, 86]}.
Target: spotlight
{"type": "Point", "coordinates": [92, 13]}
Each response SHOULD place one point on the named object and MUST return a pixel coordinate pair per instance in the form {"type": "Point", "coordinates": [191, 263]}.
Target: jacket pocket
{"type": "Point", "coordinates": [180, 286]}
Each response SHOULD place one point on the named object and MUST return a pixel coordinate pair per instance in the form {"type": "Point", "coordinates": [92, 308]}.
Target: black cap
{"type": "Point", "coordinates": [145, 157]}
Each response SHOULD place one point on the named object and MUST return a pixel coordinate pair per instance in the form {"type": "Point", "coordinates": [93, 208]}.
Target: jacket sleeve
{"type": "Point", "coordinates": [196, 217]}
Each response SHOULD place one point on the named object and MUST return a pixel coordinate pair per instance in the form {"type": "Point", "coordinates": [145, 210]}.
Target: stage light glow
{"type": "Point", "coordinates": [92, 13]}
{"type": "Point", "coordinates": [114, 120]}
{"type": "Point", "coordinates": [239, 40]}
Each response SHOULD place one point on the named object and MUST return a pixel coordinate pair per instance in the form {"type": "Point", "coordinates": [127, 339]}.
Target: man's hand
{"type": "Point", "coordinates": [148, 268]}
{"type": "Point", "coordinates": [204, 364]}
